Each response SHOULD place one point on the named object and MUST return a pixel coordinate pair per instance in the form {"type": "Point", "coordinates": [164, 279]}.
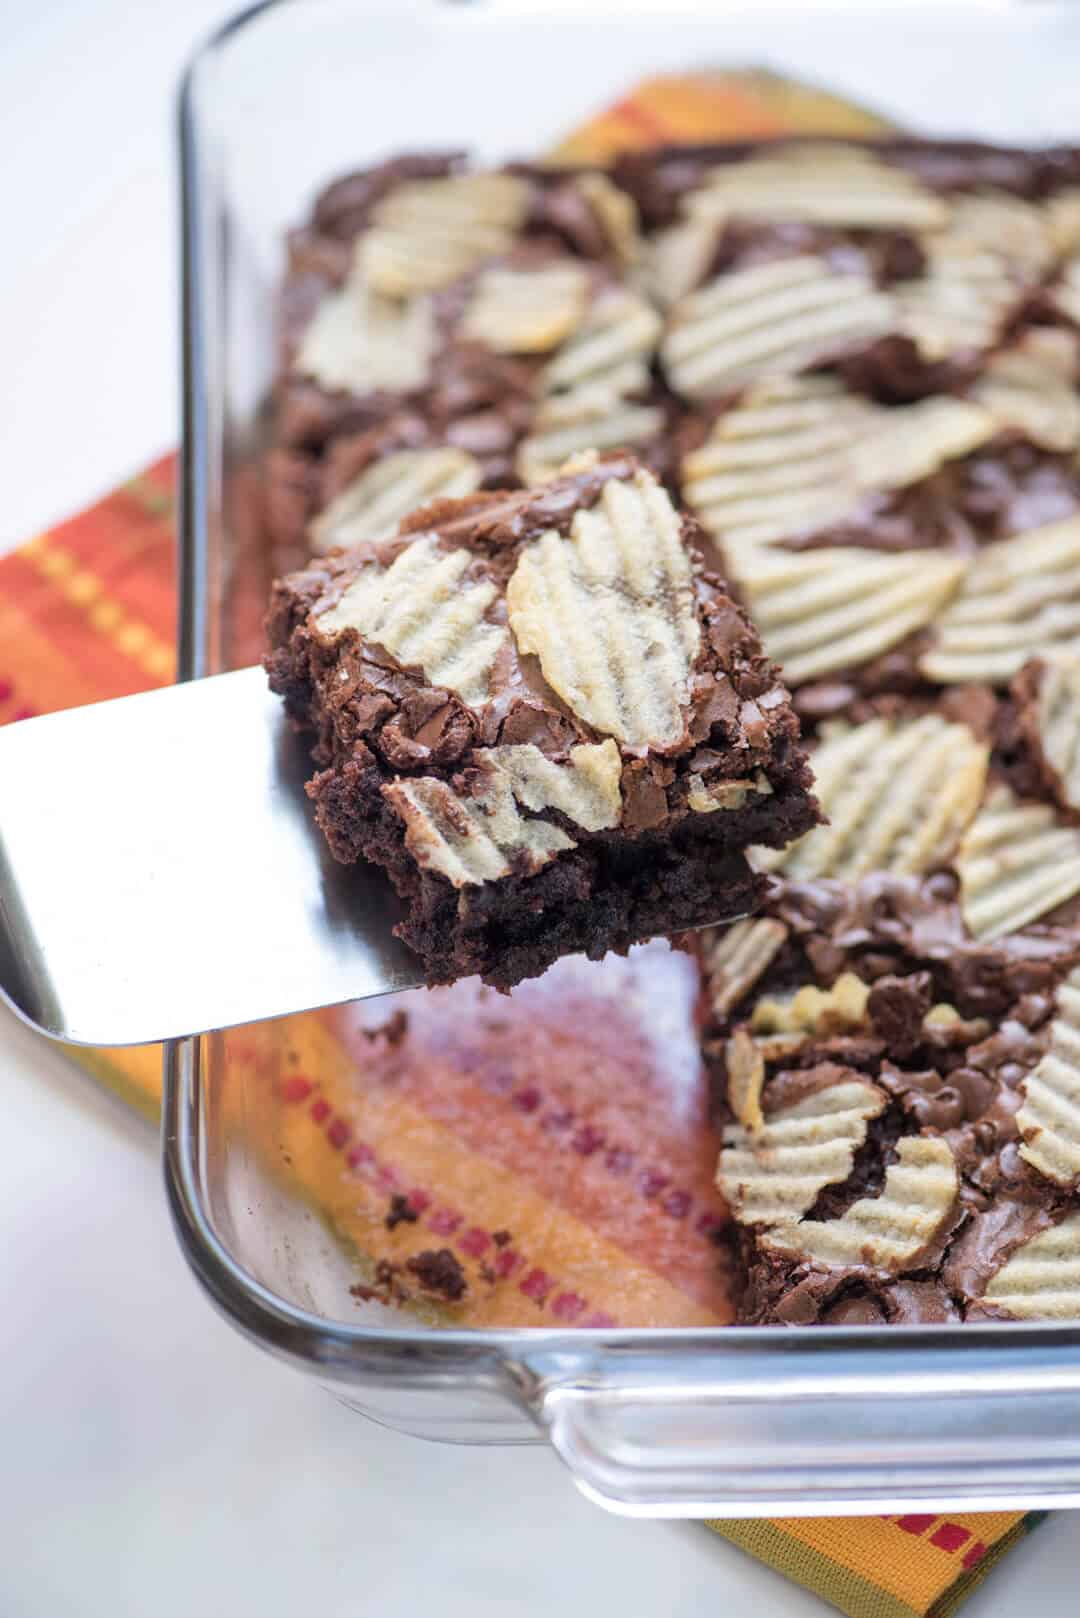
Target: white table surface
{"type": "Point", "coordinates": [152, 1463]}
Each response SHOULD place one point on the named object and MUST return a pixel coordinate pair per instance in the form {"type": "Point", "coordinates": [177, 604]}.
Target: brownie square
{"type": "Point", "coordinates": [542, 713]}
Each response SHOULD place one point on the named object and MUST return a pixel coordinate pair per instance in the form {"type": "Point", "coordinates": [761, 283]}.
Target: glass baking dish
{"type": "Point", "coordinates": [678, 1420]}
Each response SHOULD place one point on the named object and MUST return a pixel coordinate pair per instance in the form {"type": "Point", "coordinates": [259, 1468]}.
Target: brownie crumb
{"type": "Point", "coordinates": [391, 1032]}
{"type": "Point", "coordinates": [386, 1285]}
{"type": "Point", "coordinates": [439, 1271]}
{"type": "Point", "coordinates": [897, 1006]}
{"type": "Point", "coordinates": [401, 1212]}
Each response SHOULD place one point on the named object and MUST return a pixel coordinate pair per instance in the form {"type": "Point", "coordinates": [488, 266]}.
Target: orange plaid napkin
{"type": "Point", "coordinates": [87, 613]}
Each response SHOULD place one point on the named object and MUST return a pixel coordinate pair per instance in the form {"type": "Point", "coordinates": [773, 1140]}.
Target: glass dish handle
{"type": "Point", "coordinates": [729, 1439]}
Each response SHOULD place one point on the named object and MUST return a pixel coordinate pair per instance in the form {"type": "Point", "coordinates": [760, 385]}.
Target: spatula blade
{"type": "Point", "coordinates": [160, 872]}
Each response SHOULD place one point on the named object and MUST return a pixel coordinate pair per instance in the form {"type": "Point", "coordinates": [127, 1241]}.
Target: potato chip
{"type": "Point", "coordinates": [471, 838]}
{"type": "Point", "coordinates": [908, 443]}
{"type": "Point", "coordinates": [424, 612]}
{"type": "Point", "coordinates": [567, 424]}
{"type": "Point", "coordinates": [811, 1010]}
{"type": "Point", "coordinates": [778, 463]}
{"type": "Point", "coordinates": [526, 311]}
{"type": "Point", "coordinates": [587, 789]}
{"type": "Point", "coordinates": [610, 613]}
{"type": "Point", "coordinates": [1016, 229]}
{"type": "Point", "coordinates": [589, 385]}
{"type": "Point", "coordinates": [1049, 1119]}
{"type": "Point", "coordinates": [1058, 713]}
{"type": "Point", "coordinates": [994, 247]}
{"type": "Point", "coordinates": [616, 211]}
{"type": "Point", "coordinates": [745, 1066]}
{"type": "Point", "coordinates": [427, 233]}
{"type": "Point", "coordinates": [774, 1174]}
{"type": "Point", "coordinates": [679, 258]}
{"type": "Point", "coordinates": [1029, 388]}
{"type": "Point", "coordinates": [767, 320]}
{"type": "Point", "coordinates": [960, 304]}
{"type": "Point", "coordinates": [361, 343]}
{"type": "Point", "coordinates": [849, 187]}
{"type": "Point", "coordinates": [821, 611]}
{"type": "Point", "coordinates": [735, 957]}
{"type": "Point", "coordinates": [709, 797]}
{"type": "Point", "coordinates": [889, 1232]}
{"type": "Point", "coordinates": [1065, 292]}
{"type": "Point", "coordinates": [898, 795]}
{"type": "Point", "coordinates": [1062, 216]}
{"type": "Point", "coordinates": [798, 454]}
{"type": "Point", "coordinates": [372, 506]}
{"type": "Point", "coordinates": [1015, 862]}
{"type": "Point", "coordinates": [1018, 599]}
{"type": "Point", "coordinates": [610, 348]}
{"type": "Point", "coordinates": [1041, 1279]}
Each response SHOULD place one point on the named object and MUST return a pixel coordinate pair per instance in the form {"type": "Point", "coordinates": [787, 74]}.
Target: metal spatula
{"type": "Point", "coordinates": [160, 873]}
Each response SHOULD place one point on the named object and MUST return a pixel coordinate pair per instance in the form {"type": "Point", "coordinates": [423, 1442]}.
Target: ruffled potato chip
{"type": "Point", "coordinates": [1018, 599]}
{"type": "Point", "coordinates": [427, 233]}
{"type": "Point", "coordinates": [1015, 862]}
{"type": "Point", "coordinates": [1058, 717]}
{"type": "Point", "coordinates": [422, 610]}
{"type": "Point", "coordinates": [993, 249]}
{"type": "Point", "coordinates": [591, 605]}
{"type": "Point", "coordinates": [898, 795]}
{"type": "Point", "coordinates": [526, 311]}
{"type": "Point", "coordinates": [774, 1174]}
{"type": "Point", "coordinates": [798, 454]}
{"type": "Point", "coordinates": [735, 957]}
{"type": "Point", "coordinates": [1041, 1279]}
{"type": "Point", "coordinates": [889, 1232]}
{"type": "Point", "coordinates": [482, 835]}
{"type": "Point", "coordinates": [1029, 389]}
{"type": "Point", "coordinates": [372, 506]}
{"type": "Point", "coordinates": [1049, 1119]}
{"type": "Point", "coordinates": [849, 187]}
{"type": "Point", "coordinates": [823, 611]}
{"type": "Point", "coordinates": [360, 342]}
{"type": "Point", "coordinates": [768, 320]}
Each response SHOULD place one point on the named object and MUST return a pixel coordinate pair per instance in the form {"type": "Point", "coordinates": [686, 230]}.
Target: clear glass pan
{"type": "Point", "coordinates": [692, 1420]}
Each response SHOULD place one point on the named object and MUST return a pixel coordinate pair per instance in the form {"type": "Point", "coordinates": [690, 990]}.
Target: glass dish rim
{"type": "Point", "coordinates": [513, 1361]}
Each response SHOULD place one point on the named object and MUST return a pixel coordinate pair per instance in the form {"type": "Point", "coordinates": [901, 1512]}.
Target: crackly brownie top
{"type": "Point", "coordinates": [565, 648]}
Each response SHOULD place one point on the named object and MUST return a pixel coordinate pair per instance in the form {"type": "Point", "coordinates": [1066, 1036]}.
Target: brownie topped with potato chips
{"type": "Point", "coordinates": [856, 366]}
{"type": "Point", "coordinates": [541, 712]}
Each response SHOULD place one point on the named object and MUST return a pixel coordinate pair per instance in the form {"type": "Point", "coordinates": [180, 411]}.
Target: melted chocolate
{"type": "Point", "coordinates": [955, 1074]}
